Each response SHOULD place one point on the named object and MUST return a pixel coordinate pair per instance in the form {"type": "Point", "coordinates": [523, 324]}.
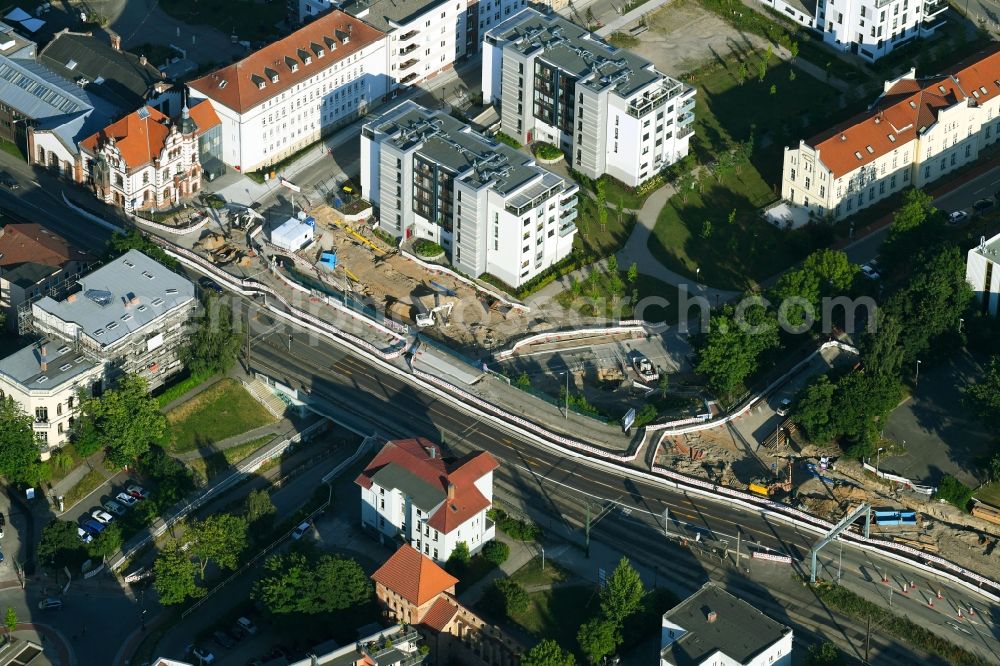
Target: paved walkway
{"type": "Point", "coordinates": [51, 641]}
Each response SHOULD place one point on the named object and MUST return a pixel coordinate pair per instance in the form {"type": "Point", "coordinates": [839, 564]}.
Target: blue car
{"type": "Point", "coordinates": [92, 526]}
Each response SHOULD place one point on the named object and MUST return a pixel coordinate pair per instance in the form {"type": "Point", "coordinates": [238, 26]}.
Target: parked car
{"type": "Point", "coordinates": [84, 535]}
{"type": "Point", "coordinates": [870, 272]}
{"type": "Point", "coordinates": [247, 626]}
{"type": "Point", "coordinates": [92, 526]}
{"type": "Point", "coordinates": [201, 654]}
{"type": "Point", "coordinates": [983, 205]}
{"type": "Point", "coordinates": [137, 492]}
{"type": "Point", "coordinates": [223, 640]}
{"type": "Point", "coordinates": [3, 524]}
{"type": "Point", "coordinates": [208, 284]}
{"type": "Point", "coordinates": [956, 218]}
{"type": "Point", "coordinates": [299, 531]}
{"type": "Point", "coordinates": [784, 407]}
{"type": "Point", "coordinates": [50, 603]}
{"type": "Point", "coordinates": [9, 181]}
{"type": "Point", "coordinates": [113, 507]}
{"type": "Point", "coordinates": [102, 516]}
{"type": "Point", "coordinates": [126, 499]}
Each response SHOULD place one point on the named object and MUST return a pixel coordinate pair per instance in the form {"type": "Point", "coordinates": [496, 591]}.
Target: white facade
{"type": "Point", "coordinates": [489, 206]}
{"type": "Point", "coordinates": [983, 273]}
{"type": "Point", "coordinates": [290, 94]}
{"type": "Point", "coordinates": [609, 110]}
{"type": "Point", "coordinates": [916, 133]}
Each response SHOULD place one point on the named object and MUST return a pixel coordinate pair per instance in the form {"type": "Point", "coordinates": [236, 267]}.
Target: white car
{"type": "Point", "coordinates": [784, 407]}
{"type": "Point", "coordinates": [299, 531]}
{"type": "Point", "coordinates": [869, 272]}
{"type": "Point", "coordinates": [101, 516]}
{"type": "Point", "coordinates": [957, 217]}
{"type": "Point", "coordinates": [84, 535]}
{"type": "Point", "coordinates": [126, 499]}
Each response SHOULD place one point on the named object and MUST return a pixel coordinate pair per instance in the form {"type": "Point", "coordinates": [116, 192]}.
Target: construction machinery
{"type": "Point", "coordinates": [767, 489]}
{"type": "Point", "coordinates": [644, 367]}
{"type": "Point", "coordinates": [425, 319]}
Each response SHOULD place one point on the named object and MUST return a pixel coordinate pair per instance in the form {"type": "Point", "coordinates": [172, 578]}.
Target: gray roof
{"type": "Point", "coordinates": [21, 47]}
{"type": "Point", "coordinates": [381, 12]}
{"type": "Point", "coordinates": [38, 92]}
{"type": "Point", "coordinates": [739, 631]}
{"type": "Point", "coordinates": [452, 144]}
{"type": "Point", "coordinates": [595, 64]}
{"type": "Point", "coordinates": [423, 495]}
{"type": "Point", "coordinates": [63, 364]}
{"type": "Point", "coordinates": [120, 297]}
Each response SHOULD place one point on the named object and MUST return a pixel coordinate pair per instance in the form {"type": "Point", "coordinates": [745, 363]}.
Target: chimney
{"type": "Point", "coordinates": [116, 41]}
{"type": "Point", "coordinates": [44, 361]}
{"type": "Point", "coordinates": [711, 616]}
{"type": "Point", "coordinates": [142, 60]}
{"type": "Point", "coordinates": [432, 452]}
{"type": "Point", "coordinates": [451, 491]}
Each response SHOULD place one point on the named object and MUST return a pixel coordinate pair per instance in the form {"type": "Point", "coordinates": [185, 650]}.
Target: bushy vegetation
{"type": "Point", "coordinates": [496, 552]}
{"type": "Point", "coordinates": [522, 530]}
{"type": "Point", "coordinates": [546, 151]}
{"type": "Point", "coordinates": [427, 248]}
{"type": "Point", "coordinates": [503, 137]}
{"type": "Point", "coordinates": [954, 491]}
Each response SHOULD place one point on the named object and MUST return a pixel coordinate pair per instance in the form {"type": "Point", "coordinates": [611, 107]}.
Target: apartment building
{"type": "Point", "coordinates": [291, 93]}
{"type": "Point", "coordinates": [868, 28]}
{"type": "Point", "coordinates": [410, 491]}
{"type": "Point", "coordinates": [131, 313]}
{"type": "Point", "coordinates": [713, 627]}
{"type": "Point", "coordinates": [609, 110]}
{"type": "Point", "coordinates": [917, 131]}
{"type": "Point", "coordinates": [45, 379]}
{"type": "Point", "coordinates": [489, 206]}
{"type": "Point", "coordinates": [146, 160]}
{"type": "Point", "coordinates": [983, 273]}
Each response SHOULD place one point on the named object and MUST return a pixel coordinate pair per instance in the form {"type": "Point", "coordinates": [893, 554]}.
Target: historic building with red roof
{"type": "Point", "coordinates": [410, 491]}
{"type": "Point", "coordinates": [917, 131]}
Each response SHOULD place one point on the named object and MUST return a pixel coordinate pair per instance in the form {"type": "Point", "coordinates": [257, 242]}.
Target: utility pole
{"type": "Point", "coordinates": [868, 637]}
{"type": "Point", "coordinates": [587, 532]}
{"type": "Point", "coordinates": [567, 394]}
{"type": "Point", "coordinates": [666, 522]}
{"type": "Point", "coordinates": [739, 535]}
{"type": "Point", "coordinates": [840, 562]}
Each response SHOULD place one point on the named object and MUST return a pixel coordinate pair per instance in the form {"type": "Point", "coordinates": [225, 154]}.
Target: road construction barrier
{"type": "Point", "coordinates": [771, 557]}
{"type": "Point", "coordinates": [557, 336]}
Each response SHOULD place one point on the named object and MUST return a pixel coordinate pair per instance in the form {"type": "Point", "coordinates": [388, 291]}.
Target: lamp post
{"type": "Point", "coordinates": [878, 455]}
{"type": "Point", "coordinates": [960, 322]}
{"type": "Point", "coordinates": [916, 380]}
{"type": "Point", "coordinates": [566, 412]}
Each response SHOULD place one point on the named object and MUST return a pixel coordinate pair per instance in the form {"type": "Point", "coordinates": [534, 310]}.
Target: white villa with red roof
{"type": "Point", "coordinates": [410, 491]}
{"type": "Point", "coordinates": [916, 132]}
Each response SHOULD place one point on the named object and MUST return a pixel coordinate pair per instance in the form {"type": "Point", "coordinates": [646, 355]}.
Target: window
{"type": "Point", "coordinates": [793, 174]}
{"type": "Point", "coordinates": [41, 414]}
{"type": "Point", "coordinates": [927, 171]}
{"type": "Point", "coordinates": [807, 182]}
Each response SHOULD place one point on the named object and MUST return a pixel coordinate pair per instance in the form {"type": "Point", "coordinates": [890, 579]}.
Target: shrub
{"type": "Point", "coordinates": [623, 40]}
{"type": "Point", "coordinates": [515, 599]}
{"type": "Point", "coordinates": [954, 491]}
{"type": "Point", "coordinates": [496, 552]}
{"type": "Point", "coordinates": [546, 151]}
{"type": "Point", "coordinates": [645, 416]}
{"type": "Point", "coordinates": [427, 248]}
{"type": "Point", "coordinates": [522, 530]}
{"type": "Point", "coordinates": [503, 137]}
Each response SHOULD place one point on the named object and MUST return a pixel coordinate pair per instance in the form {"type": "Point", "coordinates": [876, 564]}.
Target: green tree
{"type": "Point", "coordinates": [61, 460]}
{"type": "Point", "coordinates": [294, 584]}
{"type": "Point", "coordinates": [633, 273]}
{"type": "Point", "coordinates": [547, 653]}
{"type": "Point", "coordinates": [523, 381]}
{"type": "Point", "coordinates": [814, 409]}
{"type": "Point", "coordinates": [823, 273]}
{"type": "Point", "coordinates": [774, 89]}
{"type": "Point", "coordinates": [622, 594]}
{"type": "Point", "coordinates": [174, 576]}
{"type": "Point", "coordinates": [18, 447]}
{"type": "Point", "coordinates": [598, 638]}
{"type": "Point", "coordinates": [107, 542]}
{"type": "Point", "coordinates": [954, 491]}
{"type": "Point", "coordinates": [126, 418]}
{"type": "Point", "coordinates": [613, 264]}
{"type": "Point", "coordinates": [730, 351]}
{"type": "Point", "coordinates": [984, 395]}
{"type": "Point", "coordinates": [10, 620]}
{"type": "Point", "coordinates": [664, 385]}
{"type": "Point", "coordinates": [514, 598]}
{"type": "Point", "coordinates": [823, 654]}
{"type": "Point", "coordinates": [60, 546]}
{"type": "Point", "coordinates": [706, 229]}
{"type": "Point", "coordinates": [220, 538]}
{"type": "Point", "coordinates": [794, 50]}
{"type": "Point", "coordinates": [133, 240]}
{"type": "Point", "coordinates": [459, 558]}
{"type": "Point", "coordinates": [600, 190]}
{"type": "Point", "coordinates": [215, 344]}
{"type": "Point", "coordinates": [258, 506]}
{"type": "Point", "coordinates": [496, 552]}
{"type": "Point", "coordinates": [993, 468]}
{"type": "Point", "coordinates": [761, 71]}
{"type": "Point", "coordinates": [916, 225]}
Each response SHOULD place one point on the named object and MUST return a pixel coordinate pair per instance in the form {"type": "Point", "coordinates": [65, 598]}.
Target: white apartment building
{"type": "Point", "coordinates": [291, 93]}
{"type": "Point", "coordinates": [131, 313]}
{"type": "Point", "coordinates": [916, 132]}
{"type": "Point", "coordinates": [609, 110]}
{"type": "Point", "coordinates": [868, 28]}
{"type": "Point", "coordinates": [714, 628]}
{"type": "Point", "coordinates": [982, 271]}
{"type": "Point", "coordinates": [489, 206]}
{"type": "Point", "coordinates": [45, 379]}
{"type": "Point", "coordinates": [409, 491]}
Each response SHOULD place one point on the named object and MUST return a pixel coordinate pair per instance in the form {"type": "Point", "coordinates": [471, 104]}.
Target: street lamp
{"type": "Point", "coordinates": [878, 456]}
{"type": "Point", "coordinates": [960, 322]}
{"type": "Point", "coordinates": [916, 380]}
{"type": "Point", "coordinates": [697, 274]}
{"type": "Point", "coordinates": [567, 393]}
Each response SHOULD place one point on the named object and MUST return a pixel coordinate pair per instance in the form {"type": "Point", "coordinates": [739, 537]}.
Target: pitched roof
{"type": "Point", "coordinates": [21, 243]}
{"type": "Point", "coordinates": [466, 503]}
{"type": "Point", "coordinates": [291, 60]}
{"type": "Point", "coordinates": [907, 107]}
{"type": "Point", "coordinates": [440, 613]}
{"type": "Point", "coordinates": [203, 114]}
{"type": "Point", "coordinates": [140, 141]}
{"type": "Point", "coordinates": [413, 576]}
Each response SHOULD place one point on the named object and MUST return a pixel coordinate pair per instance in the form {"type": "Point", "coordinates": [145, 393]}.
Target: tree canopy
{"type": "Point", "coordinates": [220, 538]}
{"type": "Point", "coordinates": [59, 545]}
{"type": "Point", "coordinates": [174, 576]}
{"type": "Point", "coordinates": [598, 638]}
{"type": "Point", "coordinates": [294, 583]}
{"type": "Point", "coordinates": [133, 240]}
{"type": "Point", "coordinates": [729, 352]}
{"type": "Point", "coordinates": [823, 273]}
{"type": "Point", "coordinates": [215, 344]}
{"type": "Point", "coordinates": [126, 419]}
{"type": "Point", "coordinates": [622, 594]}
{"type": "Point", "coordinates": [547, 653]}
{"type": "Point", "coordinates": [18, 446]}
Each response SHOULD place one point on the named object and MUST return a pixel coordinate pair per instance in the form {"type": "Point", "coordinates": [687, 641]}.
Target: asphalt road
{"type": "Point", "coordinates": [551, 480]}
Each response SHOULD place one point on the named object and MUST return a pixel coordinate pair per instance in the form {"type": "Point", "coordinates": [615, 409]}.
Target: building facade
{"type": "Point", "coordinates": [410, 492]}
{"type": "Point", "coordinates": [870, 29]}
{"type": "Point", "coordinates": [415, 591]}
{"type": "Point", "coordinates": [289, 94]}
{"type": "Point", "coordinates": [712, 628]}
{"type": "Point", "coordinates": [982, 271]}
{"type": "Point", "coordinates": [918, 131]}
{"type": "Point", "coordinates": [610, 111]}
{"type": "Point", "coordinates": [131, 314]}
{"type": "Point", "coordinates": [489, 206]}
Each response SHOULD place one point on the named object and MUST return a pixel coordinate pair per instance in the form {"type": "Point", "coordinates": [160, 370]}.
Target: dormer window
{"type": "Point", "coordinates": [913, 104]}
{"type": "Point", "coordinates": [292, 65]}
{"type": "Point", "coordinates": [258, 81]}
{"type": "Point", "coordinates": [330, 44]}
{"type": "Point", "coordinates": [271, 74]}
{"type": "Point", "coordinates": [871, 151]}
{"type": "Point", "coordinates": [858, 155]}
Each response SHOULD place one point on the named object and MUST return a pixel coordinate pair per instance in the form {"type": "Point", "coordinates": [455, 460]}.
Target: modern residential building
{"type": "Point", "coordinates": [609, 110]}
{"type": "Point", "coordinates": [489, 206]}
{"type": "Point", "coordinates": [868, 28]}
{"type": "Point", "coordinates": [713, 627]}
{"type": "Point", "coordinates": [34, 262]}
{"type": "Point", "coordinates": [131, 314]}
{"type": "Point", "coordinates": [45, 379]}
{"type": "Point", "coordinates": [417, 592]}
{"type": "Point", "coordinates": [97, 64]}
{"type": "Point", "coordinates": [409, 492]}
{"type": "Point", "coordinates": [289, 94]}
{"type": "Point", "coordinates": [917, 131]}
{"type": "Point", "coordinates": [146, 160]}
{"type": "Point", "coordinates": [983, 272]}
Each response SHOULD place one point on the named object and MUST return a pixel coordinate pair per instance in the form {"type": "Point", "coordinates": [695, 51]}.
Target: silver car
{"type": "Point", "coordinates": [114, 507]}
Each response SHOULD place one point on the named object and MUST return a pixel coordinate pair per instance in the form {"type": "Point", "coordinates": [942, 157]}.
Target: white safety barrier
{"type": "Point", "coordinates": [557, 336]}
{"type": "Point", "coordinates": [517, 305]}
{"type": "Point", "coordinates": [171, 230]}
{"type": "Point", "coordinates": [770, 557]}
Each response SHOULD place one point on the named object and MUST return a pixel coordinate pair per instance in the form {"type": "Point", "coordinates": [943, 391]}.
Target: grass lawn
{"type": "Point", "coordinates": [218, 463]}
{"type": "Point", "coordinates": [990, 494]}
{"type": "Point", "coordinates": [222, 411]}
{"type": "Point", "coordinates": [533, 574]}
{"type": "Point", "coordinates": [11, 149]}
{"type": "Point", "coordinates": [83, 487]}
{"type": "Point", "coordinates": [595, 240]}
{"type": "Point", "coordinates": [253, 20]}
{"type": "Point", "coordinates": [478, 567]}
{"type": "Point", "coordinates": [593, 297]}
{"type": "Point", "coordinates": [558, 613]}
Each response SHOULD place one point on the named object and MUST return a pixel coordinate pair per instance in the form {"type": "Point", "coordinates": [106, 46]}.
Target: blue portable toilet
{"type": "Point", "coordinates": [328, 260]}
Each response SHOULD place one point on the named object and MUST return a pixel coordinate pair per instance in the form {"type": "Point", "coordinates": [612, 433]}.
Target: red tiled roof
{"type": "Point", "coordinates": [140, 141]}
{"type": "Point", "coordinates": [468, 501]}
{"type": "Point", "coordinates": [473, 467]}
{"type": "Point", "coordinates": [440, 613]}
{"type": "Point", "coordinates": [905, 108]}
{"type": "Point", "coordinates": [20, 243]}
{"type": "Point", "coordinates": [204, 116]}
{"type": "Point", "coordinates": [237, 86]}
{"type": "Point", "coordinates": [413, 576]}
{"type": "Point", "coordinates": [413, 455]}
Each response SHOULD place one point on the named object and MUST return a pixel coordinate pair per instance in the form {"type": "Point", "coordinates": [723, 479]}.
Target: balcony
{"type": "Point", "coordinates": [408, 64]}
{"type": "Point", "coordinates": [930, 26]}
{"type": "Point", "coordinates": [934, 8]}
{"type": "Point", "coordinates": [567, 216]}
{"type": "Point", "coordinates": [685, 131]}
{"type": "Point", "coordinates": [410, 35]}
{"type": "Point", "coordinates": [685, 119]}
{"type": "Point", "coordinates": [408, 78]}
{"type": "Point", "coordinates": [409, 49]}
{"type": "Point", "coordinates": [688, 105]}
